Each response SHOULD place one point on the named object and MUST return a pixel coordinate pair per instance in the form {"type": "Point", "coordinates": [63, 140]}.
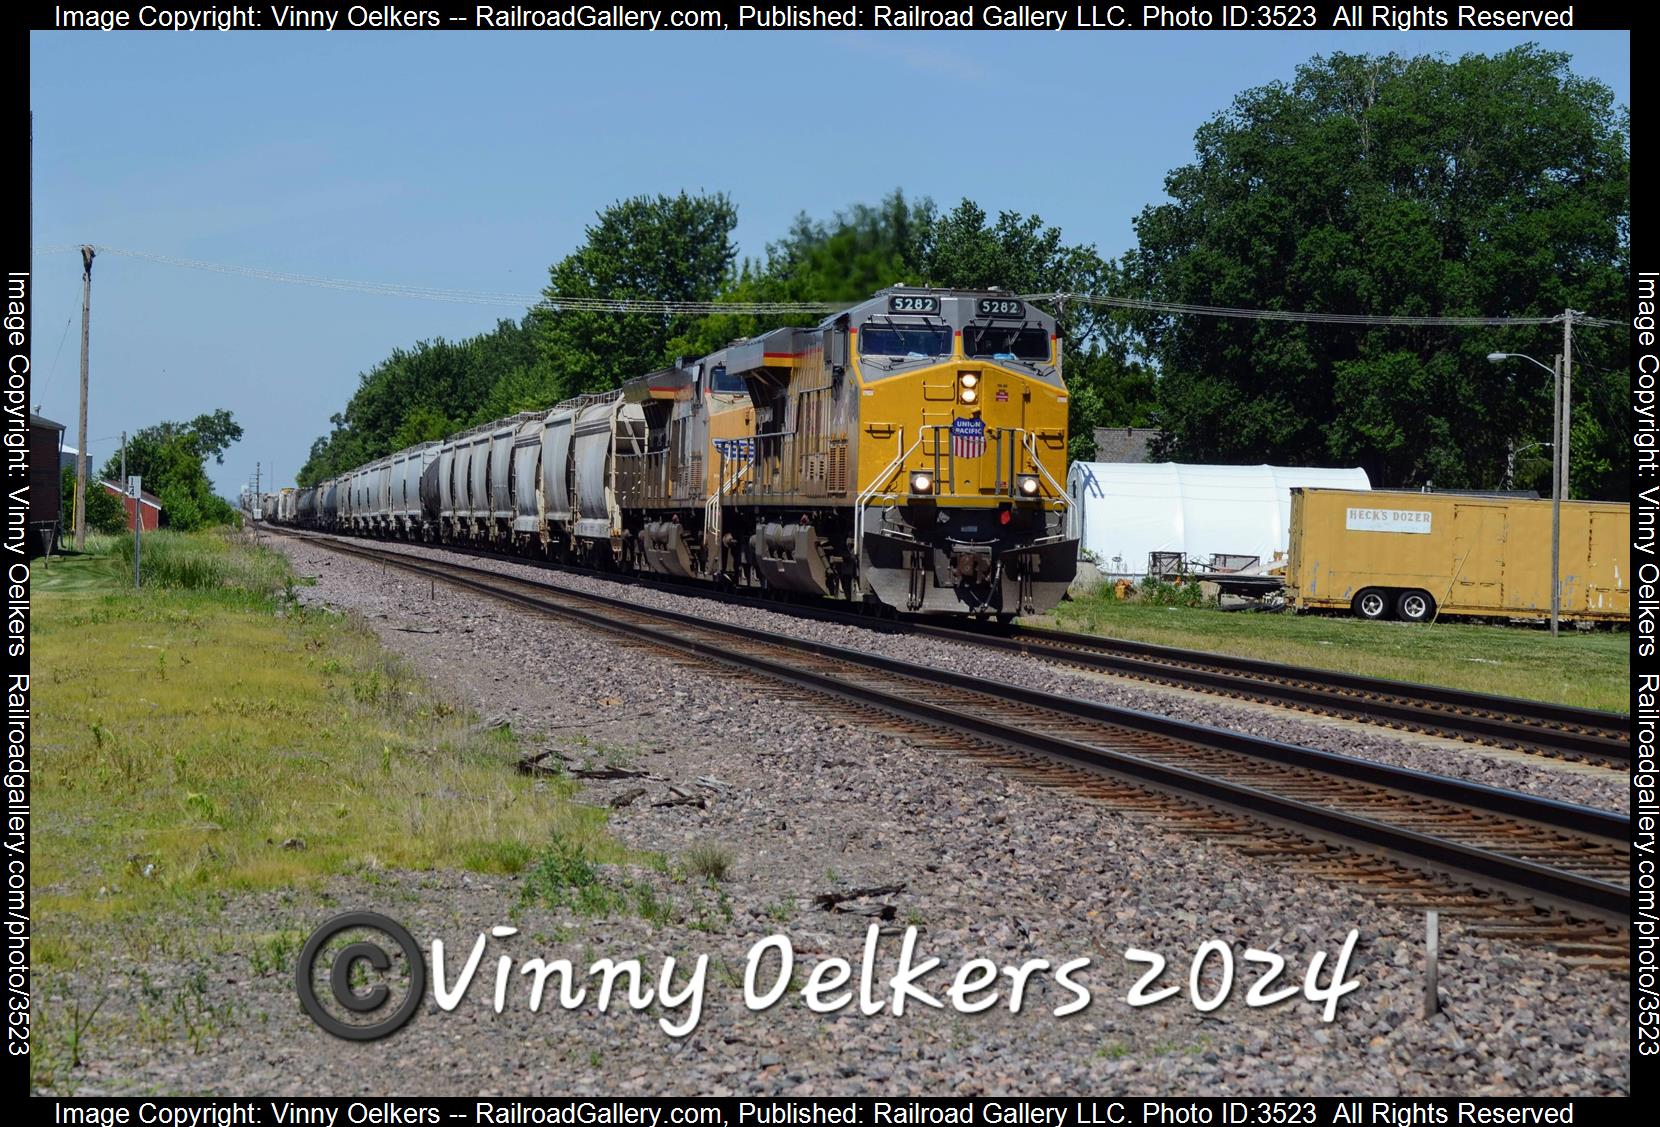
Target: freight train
{"type": "Point", "coordinates": [908, 451]}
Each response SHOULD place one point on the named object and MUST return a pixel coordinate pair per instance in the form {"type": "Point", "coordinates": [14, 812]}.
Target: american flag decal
{"type": "Point", "coordinates": [736, 449]}
{"type": "Point", "coordinates": [968, 438]}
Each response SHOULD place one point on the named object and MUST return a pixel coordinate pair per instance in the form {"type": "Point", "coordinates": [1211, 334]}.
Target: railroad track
{"type": "Point", "coordinates": [1580, 734]}
{"type": "Point", "coordinates": [1536, 727]}
{"type": "Point", "coordinates": [1533, 867]}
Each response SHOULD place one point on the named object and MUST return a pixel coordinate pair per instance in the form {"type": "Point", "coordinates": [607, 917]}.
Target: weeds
{"type": "Point", "coordinates": [565, 875]}
{"type": "Point", "coordinates": [649, 907]}
{"type": "Point", "coordinates": [499, 857]}
{"type": "Point", "coordinates": [199, 1018]}
{"type": "Point", "coordinates": [710, 861]}
{"type": "Point", "coordinates": [1158, 593]}
{"type": "Point", "coordinates": [206, 561]}
{"type": "Point", "coordinates": [712, 918]}
{"type": "Point", "coordinates": [274, 954]}
{"type": "Point", "coordinates": [80, 1023]}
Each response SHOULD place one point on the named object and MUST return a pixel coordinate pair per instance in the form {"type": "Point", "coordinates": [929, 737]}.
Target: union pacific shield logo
{"type": "Point", "coordinates": [968, 438]}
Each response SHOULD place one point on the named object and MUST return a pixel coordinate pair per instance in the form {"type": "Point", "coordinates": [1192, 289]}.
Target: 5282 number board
{"type": "Point", "coordinates": [913, 303]}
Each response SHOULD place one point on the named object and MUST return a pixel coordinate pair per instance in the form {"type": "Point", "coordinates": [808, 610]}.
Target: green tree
{"type": "Point", "coordinates": [1107, 384]}
{"type": "Point", "coordinates": [416, 394]}
{"type": "Point", "coordinates": [680, 247]}
{"type": "Point", "coordinates": [104, 510]}
{"type": "Point", "coordinates": [171, 458]}
{"type": "Point", "coordinates": [675, 248]}
{"type": "Point", "coordinates": [1483, 186]}
{"type": "Point", "coordinates": [849, 257]}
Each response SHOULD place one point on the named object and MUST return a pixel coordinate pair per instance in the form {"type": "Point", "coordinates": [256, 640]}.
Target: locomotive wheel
{"type": "Point", "coordinates": [1371, 604]}
{"type": "Point", "coordinates": [1415, 606]}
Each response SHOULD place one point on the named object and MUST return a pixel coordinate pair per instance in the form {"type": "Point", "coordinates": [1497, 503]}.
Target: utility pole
{"type": "Point", "coordinates": [137, 516]}
{"type": "Point", "coordinates": [87, 254]}
{"type": "Point", "coordinates": [1568, 316]}
{"type": "Point", "coordinates": [1556, 503]}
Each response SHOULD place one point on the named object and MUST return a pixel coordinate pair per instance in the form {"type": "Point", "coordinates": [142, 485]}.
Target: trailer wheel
{"type": "Point", "coordinates": [1415, 606]}
{"type": "Point", "coordinates": [1371, 604]}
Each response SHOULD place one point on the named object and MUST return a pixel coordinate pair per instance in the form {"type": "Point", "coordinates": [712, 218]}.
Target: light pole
{"type": "Point", "coordinates": [1555, 479]}
{"type": "Point", "coordinates": [1510, 460]}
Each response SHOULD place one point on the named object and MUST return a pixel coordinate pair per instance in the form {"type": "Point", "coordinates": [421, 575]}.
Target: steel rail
{"type": "Point", "coordinates": [1529, 725]}
{"type": "Point", "coordinates": [1532, 877]}
{"type": "Point", "coordinates": [1582, 732]}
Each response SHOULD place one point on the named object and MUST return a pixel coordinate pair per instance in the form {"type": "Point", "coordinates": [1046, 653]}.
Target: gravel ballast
{"type": "Point", "coordinates": [1604, 788]}
{"type": "Point", "coordinates": [806, 804]}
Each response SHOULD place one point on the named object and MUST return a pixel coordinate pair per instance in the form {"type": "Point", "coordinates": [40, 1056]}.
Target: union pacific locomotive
{"type": "Point", "coordinates": [909, 450]}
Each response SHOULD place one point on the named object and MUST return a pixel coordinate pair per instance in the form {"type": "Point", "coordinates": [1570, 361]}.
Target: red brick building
{"type": "Point", "coordinates": [149, 504]}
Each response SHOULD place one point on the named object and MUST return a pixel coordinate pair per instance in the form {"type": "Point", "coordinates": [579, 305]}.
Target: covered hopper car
{"type": "Point", "coordinates": [908, 451]}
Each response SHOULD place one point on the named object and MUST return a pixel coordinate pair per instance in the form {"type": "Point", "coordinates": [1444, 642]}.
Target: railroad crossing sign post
{"type": "Point", "coordinates": [136, 492]}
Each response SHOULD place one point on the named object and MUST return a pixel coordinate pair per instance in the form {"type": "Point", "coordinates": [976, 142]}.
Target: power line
{"type": "Point", "coordinates": [480, 297]}
{"type": "Point", "coordinates": [1146, 305]}
{"type": "Point", "coordinates": [666, 306]}
{"type": "Point", "coordinates": [51, 375]}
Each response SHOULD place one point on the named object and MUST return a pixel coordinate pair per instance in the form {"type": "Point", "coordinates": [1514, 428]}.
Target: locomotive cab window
{"type": "Point", "coordinates": [904, 340]}
{"type": "Point", "coordinates": [720, 380]}
{"type": "Point", "coordinates": [1018, 341]}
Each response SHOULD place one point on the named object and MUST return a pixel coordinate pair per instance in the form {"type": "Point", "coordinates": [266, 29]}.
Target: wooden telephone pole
{"type": "Point", "coordinates": [86, 353]}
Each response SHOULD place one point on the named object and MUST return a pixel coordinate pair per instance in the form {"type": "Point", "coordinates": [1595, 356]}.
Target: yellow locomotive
{"type": "Point", "coordinates": [909, 450]}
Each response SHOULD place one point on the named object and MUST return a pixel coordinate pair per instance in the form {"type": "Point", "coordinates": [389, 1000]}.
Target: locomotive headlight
{"type": "Point", "coordinates": [922, 483]}
{"type": "Point", "coordinates": [969, 379]}
{"type": "Point", "coordinates": [1027, 485]}
{"type": "Point", "coordinates": [969, 395]}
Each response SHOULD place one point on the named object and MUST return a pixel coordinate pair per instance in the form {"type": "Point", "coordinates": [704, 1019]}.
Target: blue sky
{"type": "Point", "coordinates": [473, 160]}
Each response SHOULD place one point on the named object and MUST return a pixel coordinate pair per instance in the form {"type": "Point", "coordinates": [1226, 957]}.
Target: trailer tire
{"type": "Point", "coordinates": [1372, 604]}
{"type": "Point", "coordinates": [1415, 606]}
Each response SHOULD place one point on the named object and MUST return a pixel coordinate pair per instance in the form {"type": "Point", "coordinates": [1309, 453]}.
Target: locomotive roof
{"type": "Point", "coordinates": [878, 300]}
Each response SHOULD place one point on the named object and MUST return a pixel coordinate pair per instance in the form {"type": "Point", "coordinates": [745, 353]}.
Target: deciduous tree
{"type": "Point", "coordinates": [1482, 186]}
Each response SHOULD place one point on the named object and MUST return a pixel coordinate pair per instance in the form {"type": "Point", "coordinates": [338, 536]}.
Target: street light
{"type": "Point", "coordinates": [1555, 480]}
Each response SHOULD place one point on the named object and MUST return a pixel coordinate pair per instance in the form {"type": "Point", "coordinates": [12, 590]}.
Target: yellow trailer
{"type": "Point", "coordinates": [1414, 556]}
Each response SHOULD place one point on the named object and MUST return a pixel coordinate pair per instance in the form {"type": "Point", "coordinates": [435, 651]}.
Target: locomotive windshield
{"type": "Point", "coordinates": [1018, 341]}
{"type": "Point", "coordinates": [877, 339]}
{"type": "Point", "coordinates": [719, 380]}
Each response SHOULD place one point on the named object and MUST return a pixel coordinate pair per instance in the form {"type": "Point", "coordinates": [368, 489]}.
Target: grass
{"type": "Point", "coordinates": [1588, 669]}
{"type": "Point", "coordinates": [190, 741]}
{"type": "Point", "coordinates": [221, 561]}
{"type": "Point", "coordinates": [709, 861]}
{"type": "Point", "coordinates": [208, 735]}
